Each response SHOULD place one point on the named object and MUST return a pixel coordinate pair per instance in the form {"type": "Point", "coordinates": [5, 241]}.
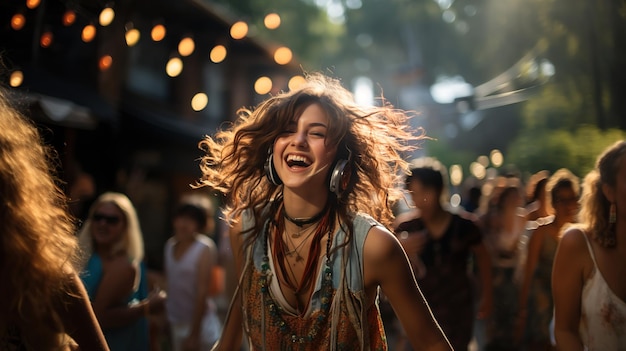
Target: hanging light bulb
{"type": "Point", "coordinates": [186, 46]}
{"type": "Point", "coordinates": [88, 33]}
{"type": "Point", "coordinates": [18, 21]}
{"type": "Point", "coordinates": [158, 32]}
{"type": "Point", "coordinates": [69, 17]}
{"type": "Point", "coordinates": [174, 67]}
{"type": "Point", "coordinates": [239, 30]}
{"type": "Point", "coordinates": [16, 79]}
{"type": "Point", "coordinates": [31, 4]}
{"type": "Point", "coordinates": [106, 16]}
{"type": "Point", "coordinates": [218, 53]}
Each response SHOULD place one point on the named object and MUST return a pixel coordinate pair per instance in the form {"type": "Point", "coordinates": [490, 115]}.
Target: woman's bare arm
{"type": "Point", "coordinates": [386, 265]}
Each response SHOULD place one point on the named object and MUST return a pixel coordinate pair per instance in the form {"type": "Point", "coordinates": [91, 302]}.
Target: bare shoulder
{"type": "Point", "coordinates": [380, 245]}
{"type": "Point", "coordinates": [573, 239]}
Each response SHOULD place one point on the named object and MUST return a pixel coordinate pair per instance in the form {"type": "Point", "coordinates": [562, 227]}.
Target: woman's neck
{"type": "Point", "coordinates": [298, 206]}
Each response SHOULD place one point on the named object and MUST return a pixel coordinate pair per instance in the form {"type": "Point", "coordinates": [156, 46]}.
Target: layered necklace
{"type": "Point", "coordinates": [324, 227]}
{"type": "Point", "coordinates": [302, 221]}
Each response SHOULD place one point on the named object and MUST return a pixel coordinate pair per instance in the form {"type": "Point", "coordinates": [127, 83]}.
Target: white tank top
{"type": "Point", "coordinates": [603, 314]}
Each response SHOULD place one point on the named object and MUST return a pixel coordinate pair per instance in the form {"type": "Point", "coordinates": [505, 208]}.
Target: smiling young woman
{"type": "Point", "coordinates": [309, 177]}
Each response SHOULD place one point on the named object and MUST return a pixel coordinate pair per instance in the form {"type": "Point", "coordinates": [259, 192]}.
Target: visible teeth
{"type": "Point", "coordinates": [298, 159]}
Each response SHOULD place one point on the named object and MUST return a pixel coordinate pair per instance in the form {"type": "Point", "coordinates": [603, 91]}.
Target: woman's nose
{"type": "Point", "coordinates": [299, 139]}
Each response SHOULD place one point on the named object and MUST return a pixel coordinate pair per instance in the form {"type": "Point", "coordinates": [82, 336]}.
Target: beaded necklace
{"type": "Point", "coordinates": [276, 310]}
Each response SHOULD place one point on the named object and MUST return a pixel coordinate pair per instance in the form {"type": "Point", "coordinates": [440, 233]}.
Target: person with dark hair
{"type": "Point", "coordinates": [44, 306]}
{"type": "Point", "coordinates": [588, 284]}
{"type": "Point", "coordinates": [440, 246]}
{"type": "Point", "coordinates": [300, 172]}
{"type": "Point", "coordinates": [189, 260]}
{"type": "Point", "coordinates": [536, 306]}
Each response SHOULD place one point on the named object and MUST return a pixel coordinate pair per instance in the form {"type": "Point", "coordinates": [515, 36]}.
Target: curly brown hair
{"type": "Point", "coordinates": [374, 139]}
{"type": "Point", "coordinates": [594, 209]}
{"type": "Point", "coordinates": [37, 247]}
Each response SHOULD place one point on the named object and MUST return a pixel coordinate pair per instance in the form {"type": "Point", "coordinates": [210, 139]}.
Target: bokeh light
{"type": "Point", "coordinates": [158, 32]}
{"type": "Point", "coordinates": [186, 46]}
{"type": "Point", "coordinates": [105, 62]}
{"type": "Point", "coordinates": [132, 37]}
{"type": "Point", "coordinates": [272, 21]}
{"type": "Point", "coordinates": [199, 101]}
{"type": "Point", "coordinates": [69, 17]}
{"type": "Point", "coordinates": [497, 159]}
{"type": "Point", "coordinates": [46, 39]}
{"type": "Point", "coordinates": [31, 4]}
{"type": "Point", "coordinates": [239, 30]}
{"type": "Point", "coordinates": [106, 16]}
{"type": "Point", "coordinates": [478, 170]}
{"type": "Point", "coordinates": [218, 54]}
{"type": "Point", "coordinates": [16, 79]}
{"type": "Point", "coordinates": [89, 32]}
{"type": "Point", "coordinates": [283, 55]}
{"type": "Point", "coordinates": [456, 175]}
{"type": "Point", "coordinates": [295, 82]}
{"type": "Point", "coordinates": [174, 67]}
{"type": "Point", "coordinates": [263, 85]}
{"type": "Point", "coordinates": [18, 21]}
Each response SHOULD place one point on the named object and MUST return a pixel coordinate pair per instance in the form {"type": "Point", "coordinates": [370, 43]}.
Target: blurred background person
{"type": "Point", "coordinates": [504, 225]}
{"type": "Point", "coordinates": [114, 274]}
{"type": "Point", "coordinates": [536, 306]}
{"type": "Point", "coordinates": [440, 246]}
{"type": "Point", "coordinates": [44, 305]}
{"type": "Point", "coordinates": [588, 282]}
{"type": "Point", "coordinates": [190, 258]}
{"type": "Point", "coordinates": [538, 209]}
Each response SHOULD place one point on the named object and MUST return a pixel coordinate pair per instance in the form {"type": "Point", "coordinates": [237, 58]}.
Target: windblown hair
{"type": "Point", "coordinates": [594, 211]}
{"type": "Point", "coordinates": [561, 179]}
{"type": "Point", "coordinates": [37, 243]}
{"type": "Point", "coordinates": [132, 242]}
{"type": "Point", "coordinates": [373, 139]}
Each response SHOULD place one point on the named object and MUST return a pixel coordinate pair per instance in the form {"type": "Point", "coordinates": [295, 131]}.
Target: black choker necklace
{"type": "Point", "coordinates": [300, 222]}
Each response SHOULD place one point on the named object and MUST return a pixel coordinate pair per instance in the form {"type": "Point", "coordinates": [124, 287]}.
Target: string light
{"type": "Point", "coordinates": [295, 82]}
{"type": "Point", "coordinates": [89, 32]}
{"type": "Point", "coordinates": [199, 102]}
{"type": "Point", "coordinates": [218, 53]}
{"type": "Point", "coordinates": [132, 36]}
{"type": "Point", "coordinates": [46, 39]}
{"type": "Point", "coordinates": [32, 4]}
{"type": "Point", "coordinates": [68, 18]}
{"type": "Point", "coordinates": [16, 79]}
{"type": "Point", "coordinates": [106, 16]}
{"type": "Point", "coordinates": [239, 30]}
{"type": "Point", "coordinates": [105, 62]}
{"type": "Point", "coordinates": [158, 32]}
{"type": "Point", "coordinates": [186, 46]}
{"type": "Point", "coordinates": [174, 67]}
{"type": "Point", "coordinates": [283, 55]}
{"type": "Point", "coordinates": [18, 21]}
{"type": "Point", "coordinates": [263, 85]}
{"type": "Point", "coordinates": [272, 21]}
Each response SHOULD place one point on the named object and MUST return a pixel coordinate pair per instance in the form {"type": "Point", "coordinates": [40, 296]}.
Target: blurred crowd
{"type": "Point", "coordinates": [484, 266]}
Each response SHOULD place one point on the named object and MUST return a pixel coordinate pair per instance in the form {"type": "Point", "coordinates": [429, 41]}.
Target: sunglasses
{"type": "Point", "coordinates": [97, 217]}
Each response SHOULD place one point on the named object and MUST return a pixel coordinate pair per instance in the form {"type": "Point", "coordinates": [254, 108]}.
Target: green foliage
{"type": "Point", "coordinates": [577, 151]}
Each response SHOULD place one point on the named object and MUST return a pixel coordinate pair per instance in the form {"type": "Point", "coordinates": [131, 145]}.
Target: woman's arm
{"type": "Point", "coordinates": [115, 287]}
{"type": "Point", "coordinates": [386, 265]}
{"type": "Point", "coordinates": [568, 276]}
{"type": "Point", "coordinates": [79, 319]}
{"type": "Point", "coordinates": [232, 332]}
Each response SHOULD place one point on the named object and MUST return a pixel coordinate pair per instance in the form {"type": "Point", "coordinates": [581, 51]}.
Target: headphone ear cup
{"type": "Point", "coordinates": [270, 171]}
{"type": "Point", "coordinates": [339, 177]}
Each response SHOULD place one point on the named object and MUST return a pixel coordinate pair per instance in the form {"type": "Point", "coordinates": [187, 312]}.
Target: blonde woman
{"type": "Point", "coordinates": [113, 273]}
{"type": "Point", "coordinates": [43, 305]}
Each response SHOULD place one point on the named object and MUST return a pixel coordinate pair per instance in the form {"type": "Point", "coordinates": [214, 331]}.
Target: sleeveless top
{"type": "Point", "coordinates": [131, 337]}
{"type": "Point", "coordinates": [338, 317]}
{"type": "Point", "coordinates": [603, 314]}
{"type": "Point", "coordinates": [182, 279]}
